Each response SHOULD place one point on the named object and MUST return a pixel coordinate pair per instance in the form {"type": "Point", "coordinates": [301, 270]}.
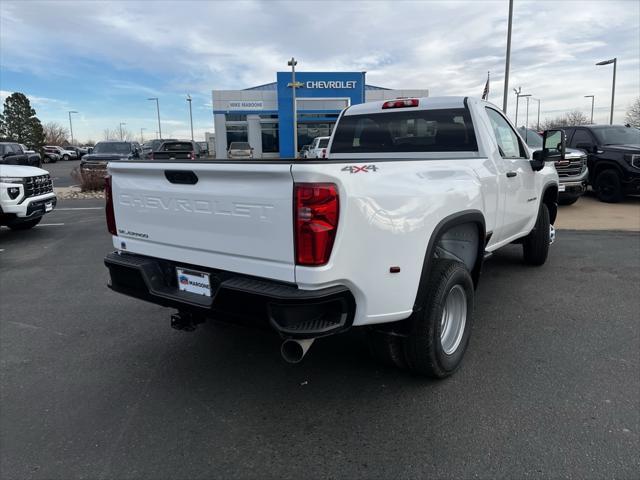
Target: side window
{"type": "Point", "coordinates": [581, 136]}
{"type": "Point", "coordinates": [16, 148]}
{"type": "Point", "coordinates": [508, 142]}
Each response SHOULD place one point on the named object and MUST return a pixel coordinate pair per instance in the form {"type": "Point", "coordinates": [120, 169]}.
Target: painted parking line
{"type": "Point", "coordinates": [80, 208]}
{"type": "Point", "coordinates": [49, 224]}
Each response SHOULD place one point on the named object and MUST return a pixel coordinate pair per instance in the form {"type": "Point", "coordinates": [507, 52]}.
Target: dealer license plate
{"type": "Point", "coordinates": [561, 188]}
{"type": "Point", "coordinates": [193, 282]}
{"type": "Point", "coordinates": [48, 206]}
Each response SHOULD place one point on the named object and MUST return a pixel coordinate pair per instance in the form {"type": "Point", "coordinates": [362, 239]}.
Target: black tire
{"type": "Point", "coordinates": [387, 349]}
{"type": "Point", "coordinates": [535, 246]}
{"type": "Point", "coordinates": [609, 187]}
{"type": "Point", "coordinates": [65, 157]}
{"type": "Point", "coordinates": [24, 224]}
{"type": "Point", "coordinates": [45, 160]}
{"type": "Point", "coordinates": [423, 347]}
{"type": "Point", "coordinates": [568, 200]}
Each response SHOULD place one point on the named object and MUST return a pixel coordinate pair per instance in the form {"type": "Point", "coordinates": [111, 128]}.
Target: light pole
{"type": "Point", "coordinates": [613, 88]}
{"type": "Point", "coordinates": [71, 126]}
{"type": "Point", "coordinates": [158, 110]}
{"type": "Point", "coordinates": [121, 137]}
{"type": "Point", "coordinates": [508, 59]}
{"type": "Point", "coordinates": [141, 135]}
{"type": "Point", "coordinates": [518, 97]}
{"type": "Point", "coordinates": [526, 123]}
{"type": "Point", "coordinates": [190, 115]}
{"type": "Point", "coordinates": [292, 63]}
{"type": "Point", "coordinates": [593, 99]}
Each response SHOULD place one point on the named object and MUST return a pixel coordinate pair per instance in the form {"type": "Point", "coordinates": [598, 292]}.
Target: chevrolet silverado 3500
{"type": "Point", "coordinates": [388, 233]}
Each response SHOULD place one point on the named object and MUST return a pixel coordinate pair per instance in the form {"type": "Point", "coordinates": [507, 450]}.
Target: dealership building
{"type": "Point", "coordinates": [263, 115]}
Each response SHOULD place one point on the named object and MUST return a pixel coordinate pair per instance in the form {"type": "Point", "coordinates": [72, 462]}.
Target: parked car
{"type": "Point", "coordinates": [304, 151]}
{"type": "Point", "coordinates": [573, 171]}
{"type": "Point", "coordinates": [109, 151]}
{"type": "Point", "coordinates": [48, 156]}
{"type": "Point", "coordinates": [318, 148]}
{"type": "Point", "coordinates": [12, 153]}
{"type": "Point", "coordinates": [62, 152]}
{"type": "Point", "coordinates": [80, 151]}
{"type": "Point", "coordinates": [204, 148]}
{"type": "Point", "coordinates": [26, 194]}
{"type": "Point", "coordinates": [240, 150]}
{"type": "Point", "coordinates": [153, 145]}
{"type": "Point", "coordinates": [613, 158]}
{"type": "Point", "coordinates": [390, 235]}
{"type": "Point", "coordinates": [178, 150]}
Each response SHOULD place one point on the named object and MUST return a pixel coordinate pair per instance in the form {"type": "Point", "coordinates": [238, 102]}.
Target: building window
{"type": "Point", "coordinates": [270, 138]}
{"type": "Point", "coordinates": [237, 133]}
{"type": "Point", "coordinates": [236, 117]}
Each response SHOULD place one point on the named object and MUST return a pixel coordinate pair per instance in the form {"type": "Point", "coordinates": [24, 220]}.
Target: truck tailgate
{"type": "Point", "coordinates": [228, 216]}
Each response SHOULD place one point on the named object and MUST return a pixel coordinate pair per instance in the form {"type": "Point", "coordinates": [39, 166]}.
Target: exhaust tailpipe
{"type": "Point", "coordinates": [293, 351]}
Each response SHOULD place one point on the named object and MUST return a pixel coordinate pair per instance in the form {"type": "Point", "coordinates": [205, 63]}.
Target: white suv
{"type": "Point", "coordinates": [26, 194]}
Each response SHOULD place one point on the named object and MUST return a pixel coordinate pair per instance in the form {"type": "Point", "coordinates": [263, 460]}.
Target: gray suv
{"type": "Point", "coordinates": [572, 170]}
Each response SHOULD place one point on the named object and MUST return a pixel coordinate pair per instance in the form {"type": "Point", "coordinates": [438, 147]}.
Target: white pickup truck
{"type": "Point", "coordinates": [26, 194]}
{"type": "Point", "coordinates": [388, 233]}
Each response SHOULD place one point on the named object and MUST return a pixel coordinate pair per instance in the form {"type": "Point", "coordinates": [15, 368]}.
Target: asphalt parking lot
{"type": "Point", "coordinates": [61, 172]}
{"type": "Point", "coordinates": [97, 385]}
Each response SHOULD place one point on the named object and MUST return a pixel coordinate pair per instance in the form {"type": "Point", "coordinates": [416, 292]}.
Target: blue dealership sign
{"type": "Point", "coordinates": [347, 86]}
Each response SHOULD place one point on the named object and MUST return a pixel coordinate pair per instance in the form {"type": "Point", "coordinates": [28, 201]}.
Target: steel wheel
{"type": "Point", "coordinates": [454, 318]}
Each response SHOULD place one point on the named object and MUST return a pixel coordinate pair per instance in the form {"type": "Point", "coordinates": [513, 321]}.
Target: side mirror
{"type": "Point", "coordinates": [553, 149]}
{"type": "Point", "coordinates": [587, 147]}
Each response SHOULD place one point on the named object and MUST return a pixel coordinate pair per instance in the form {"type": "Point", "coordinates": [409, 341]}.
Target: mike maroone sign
{"type": "Point", "coordinates": [336, 84]}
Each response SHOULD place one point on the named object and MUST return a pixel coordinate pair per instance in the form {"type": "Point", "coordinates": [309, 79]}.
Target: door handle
{"type": "Point", "coordinates": [511, 174]}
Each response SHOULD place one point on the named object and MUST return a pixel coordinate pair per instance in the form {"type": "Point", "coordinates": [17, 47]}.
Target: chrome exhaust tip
{"type": "Point", "coordinates": [293, 351]}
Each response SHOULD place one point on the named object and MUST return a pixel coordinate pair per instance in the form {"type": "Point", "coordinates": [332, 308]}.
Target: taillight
{"type": "Point", "coordinates": [192, 155]}
{"type": "Point", "coordinates": [401, 103]}
{"type": "Point", "coordinates": [324, 153]}
{"type": "Point", "coordinates": [151, 156]}
{"type": "Point", "coordinates": [108, 195]}
{"type": "Point", "coordinates": [316, 222]}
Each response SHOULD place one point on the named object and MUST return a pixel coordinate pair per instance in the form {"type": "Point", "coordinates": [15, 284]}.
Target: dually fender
{"type": "Point", "coordinates": [473, 217]}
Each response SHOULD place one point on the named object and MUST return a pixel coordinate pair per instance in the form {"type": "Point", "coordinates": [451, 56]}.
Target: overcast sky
{"type": "Point", "coordinates": [105, 59]}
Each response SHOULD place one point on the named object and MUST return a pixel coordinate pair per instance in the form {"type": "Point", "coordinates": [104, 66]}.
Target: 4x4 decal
{"type": "Point", "coordinates": [360, 168]}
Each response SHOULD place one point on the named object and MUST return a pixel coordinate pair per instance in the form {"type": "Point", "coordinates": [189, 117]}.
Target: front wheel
{"type": "Point", "coordinates": [441, 328]}
{"type": "Point", "coordinates": [535, 246]}
{"type": "Point", "coordinates": [24, 224]}
{"type": "Point", "coordinates": [609, 186]}
{"type": "Point", "coordinates": [65, 157]}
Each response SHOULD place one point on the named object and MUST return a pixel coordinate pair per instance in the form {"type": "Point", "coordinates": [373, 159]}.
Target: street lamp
{"type": "Point", "coordinates": [593, 99]}
{"type": "Point", "coordinates": [292, 63]}
{"type": "Point", "coordinates": [158, 110]}
{"type": "Point", "coordinates": [121, 136]}
{"type": "Point", "coordinates": [613, 88]}
{"type": "Point", "coordinates": [508, 59]}
{"type": "Point", "coordinates": [190, 115]}
{"type": "Point", "coordinates": [71, 125]}
{"type": "Point", "coordinates": [518, 97]}
{"type": "Point", "coordinates": [142, 136]}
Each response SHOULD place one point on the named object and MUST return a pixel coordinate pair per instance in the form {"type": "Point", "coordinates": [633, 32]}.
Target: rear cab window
{"type": "Point", "coordinates": [177, 146]}
{"type": "Point", "coordinates": [438, 130]}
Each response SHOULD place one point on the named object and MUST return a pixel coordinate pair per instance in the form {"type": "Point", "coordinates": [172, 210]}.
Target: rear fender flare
{"type": "Point", "coordinates": [474, 217]}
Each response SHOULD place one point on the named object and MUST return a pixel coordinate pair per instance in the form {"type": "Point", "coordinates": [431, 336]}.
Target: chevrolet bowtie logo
{"type": "Point", "coordinates": [296, 85]}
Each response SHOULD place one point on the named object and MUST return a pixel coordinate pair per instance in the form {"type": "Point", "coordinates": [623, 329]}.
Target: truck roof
{"type": "Point", "coordinates": [424, 103]}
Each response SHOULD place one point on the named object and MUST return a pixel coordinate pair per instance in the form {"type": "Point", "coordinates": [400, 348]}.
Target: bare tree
{"type": "Point", "coordinates": [574, 117]}
{"type": "Point", "coordinates": [55, 134]}
{"type": "Point", "coordinates": [633, 113]}
{"type": "Point", "coordinates": [90, 143]}
{"type": "Point", "coordinates": [115, 134]}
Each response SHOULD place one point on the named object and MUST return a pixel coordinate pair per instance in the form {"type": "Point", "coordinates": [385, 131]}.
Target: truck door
{"type": "Point", "coordinates": [517, 179]}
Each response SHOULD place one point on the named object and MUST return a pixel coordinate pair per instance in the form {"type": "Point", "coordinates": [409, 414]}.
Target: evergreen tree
{"type": "Point", "coordinates": [18, 122]}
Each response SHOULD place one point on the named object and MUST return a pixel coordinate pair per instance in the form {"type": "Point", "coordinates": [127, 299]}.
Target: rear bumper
{"type": "Point", "coordinates": [290, 311]}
